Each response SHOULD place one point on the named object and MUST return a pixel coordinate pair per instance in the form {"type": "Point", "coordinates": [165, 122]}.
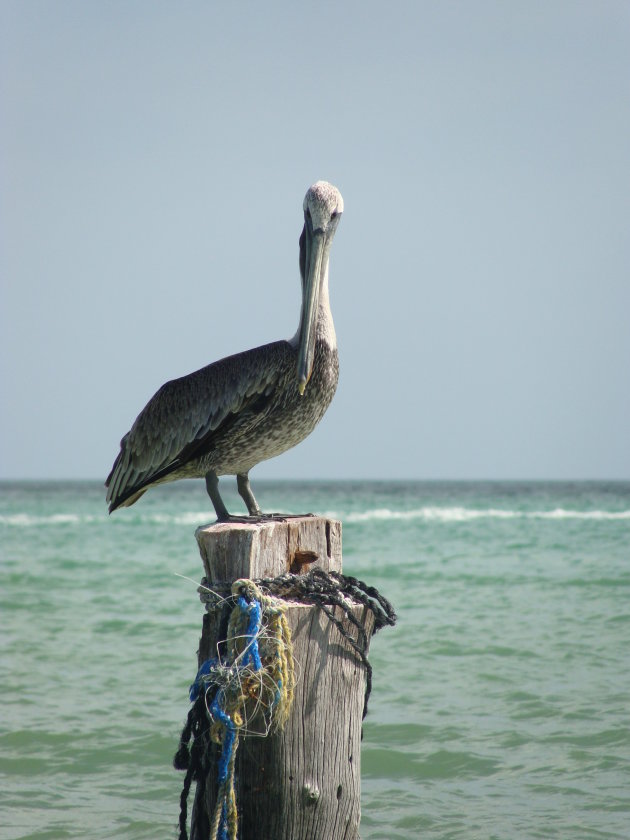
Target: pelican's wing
{"type": "Point", "coordinates": [181, 419]}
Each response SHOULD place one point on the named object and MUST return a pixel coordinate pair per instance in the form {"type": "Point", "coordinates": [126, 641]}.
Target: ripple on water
{"type": "Point", "coordinates": [500, 700]}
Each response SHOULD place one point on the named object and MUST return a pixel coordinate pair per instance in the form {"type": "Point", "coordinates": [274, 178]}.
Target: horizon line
{"type": "Point", "coordinates": [354, 480]}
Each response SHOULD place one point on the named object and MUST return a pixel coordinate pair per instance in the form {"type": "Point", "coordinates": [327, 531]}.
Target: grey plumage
{"type": "Point", "coordinates": [246, 408]}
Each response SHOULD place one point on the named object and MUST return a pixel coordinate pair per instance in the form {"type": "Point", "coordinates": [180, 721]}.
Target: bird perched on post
{"type": "Point", "coordinates": [232, 414]}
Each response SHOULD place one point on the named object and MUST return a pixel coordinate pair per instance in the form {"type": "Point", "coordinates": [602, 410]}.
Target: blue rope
{"type": "Point", "coordinates": [230, 734]}
{"type": "Point", "coordinates": [251, 655]}
{"type": "Point", "coordinates": [253, 628]}
{"type": "Point", "coordinates": [204, 670]}
{"type": "Point", "coordinates": [226, 754]}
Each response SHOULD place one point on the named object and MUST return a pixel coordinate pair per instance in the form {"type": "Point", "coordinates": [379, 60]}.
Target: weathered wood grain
{"type": "Point", "coordinates": [233, 550]}
{"type": "Point", "coordinates": [303, 783]}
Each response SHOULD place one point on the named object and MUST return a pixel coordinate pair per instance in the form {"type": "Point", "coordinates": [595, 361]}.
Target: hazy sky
{"type": "Point", "coordinates": [155, 158]}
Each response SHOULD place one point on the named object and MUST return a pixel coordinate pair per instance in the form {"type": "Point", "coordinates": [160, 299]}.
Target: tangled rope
{"type": "Point", "coordinates": [248, 689]}
{"type": "Point", "coordinates": [328, 590]}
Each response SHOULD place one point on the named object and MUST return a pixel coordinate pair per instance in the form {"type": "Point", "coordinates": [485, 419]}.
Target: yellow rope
{"type": "Point", "coordinates": [256, 700]}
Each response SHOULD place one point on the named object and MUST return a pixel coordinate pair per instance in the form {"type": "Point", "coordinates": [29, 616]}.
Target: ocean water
{"type": "Point", "coordinates": [501, 700]}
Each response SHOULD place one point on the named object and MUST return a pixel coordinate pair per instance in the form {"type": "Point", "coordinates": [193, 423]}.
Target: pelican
{"type": "Point", "coordinates": [232, 414]}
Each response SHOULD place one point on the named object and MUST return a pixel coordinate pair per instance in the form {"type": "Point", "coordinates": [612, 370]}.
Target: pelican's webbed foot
{"type": "Point", "coordinates": [260, 518]}
{"type": "Point", "coordinates": [280, 516]}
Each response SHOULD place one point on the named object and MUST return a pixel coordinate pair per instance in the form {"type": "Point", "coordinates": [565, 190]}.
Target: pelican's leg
{"type": "Point", "coordinates": [245, 492]}
{"type": "Point", "coordinates": [212, 486]}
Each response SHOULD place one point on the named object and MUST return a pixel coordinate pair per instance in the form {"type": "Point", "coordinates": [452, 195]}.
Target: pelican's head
{"type": "Point", "coordinates": [323, 206]}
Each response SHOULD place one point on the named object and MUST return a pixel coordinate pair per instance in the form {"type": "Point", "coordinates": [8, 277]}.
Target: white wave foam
{"type": "Point", "coordinates": [427, 514]}
{"type": "Point", "coordinates": [431, 514]}
{"type": "Point", "coordinates": [27, 520]}
{"type": "Point", "coordinates": [559, 513]}
{"type": "Point", "coordinates": [187, 518]}
{"type": "Point", "coordinates": [460, 514]}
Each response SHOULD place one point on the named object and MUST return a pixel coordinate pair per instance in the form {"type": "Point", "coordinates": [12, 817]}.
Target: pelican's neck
{"type": "Point", "coordinates": [325, 325]}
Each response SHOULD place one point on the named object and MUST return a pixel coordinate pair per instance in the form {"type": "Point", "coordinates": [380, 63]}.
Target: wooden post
{"type": "Point", "coordinates": [303, 782]}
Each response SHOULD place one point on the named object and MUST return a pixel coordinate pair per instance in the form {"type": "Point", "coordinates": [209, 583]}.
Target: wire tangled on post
{"type": "Point", "coordinates": [248, 688]}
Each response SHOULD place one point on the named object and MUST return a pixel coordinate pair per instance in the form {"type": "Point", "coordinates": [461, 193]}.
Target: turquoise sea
{"type": "Point", "coordinates": [501, 700]}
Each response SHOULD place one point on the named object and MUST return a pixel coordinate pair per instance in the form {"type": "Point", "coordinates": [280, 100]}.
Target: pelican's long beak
{"type": "Point", "coordinates": [317, 247]}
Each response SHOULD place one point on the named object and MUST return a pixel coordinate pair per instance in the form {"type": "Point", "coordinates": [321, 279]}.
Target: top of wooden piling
{"type": "Point", "coordinates": [232, 550]}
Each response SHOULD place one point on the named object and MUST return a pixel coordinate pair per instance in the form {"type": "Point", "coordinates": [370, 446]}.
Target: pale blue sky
{"type": "Point", "coordinates": [155, 157]}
